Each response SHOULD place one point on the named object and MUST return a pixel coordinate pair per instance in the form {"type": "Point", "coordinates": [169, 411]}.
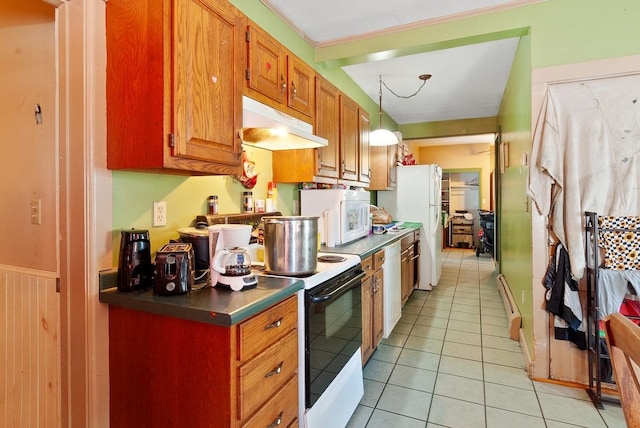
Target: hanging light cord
{"type": "Point", "coordinates": [424, 81]}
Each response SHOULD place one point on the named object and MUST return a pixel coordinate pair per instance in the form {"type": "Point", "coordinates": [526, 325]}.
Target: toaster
{"type": "Point", "coordinates": [174, 269]}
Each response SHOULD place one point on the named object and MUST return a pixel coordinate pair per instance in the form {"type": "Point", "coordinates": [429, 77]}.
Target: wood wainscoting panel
{"type": "Point", "coordinates": [29, 350]}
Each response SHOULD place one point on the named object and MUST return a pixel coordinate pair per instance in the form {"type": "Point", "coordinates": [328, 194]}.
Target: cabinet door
{"type": "Point", "coordinates": [367, 321]}
{"type": "Point", "coordinates": [267, 62]}
{"type": "Point", "coordinates": [206, 87]}
{"type": "Point", "coordinates": [327, 116]}
{"type": "Point", "coordinates": [349, 139]}
{"type": "Point", "coordinates": [364, 129]}
{"type": "Point", "coordinates": [301, 78]}
{"type": "Point", "coordinates": [378, 308]}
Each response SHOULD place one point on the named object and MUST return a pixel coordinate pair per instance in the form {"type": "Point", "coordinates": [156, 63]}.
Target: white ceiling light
{"type": "Point", "coordinates": [384, 137]}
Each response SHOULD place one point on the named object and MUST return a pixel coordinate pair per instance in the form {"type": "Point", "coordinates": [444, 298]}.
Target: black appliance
{"type": "Point", "coordinates": [135, 271]}
{"type": "Point", "coordinates": [174, 272]}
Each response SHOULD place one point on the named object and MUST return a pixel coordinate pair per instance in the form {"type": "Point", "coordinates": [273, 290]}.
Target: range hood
{"type": "Point", "coordinates": [267, 128]}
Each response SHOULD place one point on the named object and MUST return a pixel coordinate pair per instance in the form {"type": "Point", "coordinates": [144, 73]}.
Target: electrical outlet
{"type": "Point", "coordinates": [36, 211]}
{"type": "Point", "coordinates": [159, 213]}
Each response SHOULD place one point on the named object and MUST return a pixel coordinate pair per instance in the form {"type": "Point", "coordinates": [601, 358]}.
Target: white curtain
{"type": "Point", "coordinates": [586, 157]}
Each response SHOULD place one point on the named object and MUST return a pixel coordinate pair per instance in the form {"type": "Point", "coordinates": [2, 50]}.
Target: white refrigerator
{"type": "Point", "coordinates": [418, 198]}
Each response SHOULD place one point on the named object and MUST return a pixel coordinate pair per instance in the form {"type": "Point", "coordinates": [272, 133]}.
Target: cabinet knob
{"type": "Point", "coordinates": [294, 91]}
{"type": "Point", "coordinates": [277, 422]}
{"type": "Point", "coordinates": [273, 325]}
{"type": "Point", "coordinates": [283, 85]}
{"type": "Point", "coordinates": [275, 371]}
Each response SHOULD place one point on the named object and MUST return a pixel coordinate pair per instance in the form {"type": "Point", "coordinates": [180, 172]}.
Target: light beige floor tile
{"type": "Point", "coordinates": [395, 339]}
{"type": "Point", "coordinates": [492, 320]}
{"type": "Point", "coordinates": [411, 377]}
{"type": "Point", "coordinates": [503, 358]}
{"type": "Point", "coordinates": [405, 401]}
{"type": "Point", "coordinates": [437, 313]}
{"type": "Point", "coordinates": [403, 328]}
{"type": "Point", "coordinates": [462, 388]}
{"type": "Point", "coordinates": [495, 330]}
{"type": "Point", "coordinates": [372, 392]}
{"type": "Point", "coordinates": [432, 321]}
{"type": "Point", "coordinates": [387, 353]}
{"type": "Point", "coordinates": [467, 309]}
{"type": "Point", "coordinates": [360, 417]}
{"type": "Point", "coordinates": [461, 316]}
{"type": "Point", "coordinates": [472, 327]}
{"type": "Point", "coordinates": [463, 337]}
{"type": "Point", "coordinates": [613, 416]}
{"type": "Point", "coordinates": [377, 370]}
{"type": "Point", "coordinates": [419, 359]}
{"type": "Point", "coordinates": [408, 318]}
{"type": "Point", "coordinates": [570, 410]}
{"type": "Point", "coordinates": [494, 312]}
{"type": "Point", "coordinates": [436, 304]}
{"type": "Point", "coordinates": [504, 343]}
{"type": "Point", "coordinates": [488, 303]}
{"type": "Point", "coordinates": [411, 309]}
{"type": "Point", "coordinates": [513, 399]}
{"type": "Point", "coordinates": [461, 367]}
{"type": "Point", "coordinates": [498, 418]}
{"type": "Point", "coordinates": [564, 391]}
{"type": "Point", "coordinates": [450, 412]}
{"type": "Point", "coordinates": [428, 331]}
{"type": "Point", "coordinates": [509, 376]}
{"type": "Point", "coordinates": [424, 344]}
{"type": "Point", "coordinates": [444, 298]}
{"type": "Point", "coordinates": [382, 419]}
{"type": "Point", "coordinates": [460, 350]}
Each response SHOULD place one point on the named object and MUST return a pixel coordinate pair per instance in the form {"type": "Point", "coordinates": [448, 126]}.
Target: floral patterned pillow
{"type": "Point", "coordinates": [621, 247]}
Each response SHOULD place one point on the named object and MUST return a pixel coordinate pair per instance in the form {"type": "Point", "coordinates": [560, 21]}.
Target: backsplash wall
{"type": "Point", "coordinates": [186, 197]}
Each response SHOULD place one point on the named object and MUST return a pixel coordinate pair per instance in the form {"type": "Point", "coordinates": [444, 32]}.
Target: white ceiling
{"type": "Point", "coordinates": [467, 81]}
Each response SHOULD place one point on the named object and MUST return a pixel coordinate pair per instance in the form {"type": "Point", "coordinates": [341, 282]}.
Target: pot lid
{"type": "Point", "coordinates": [193, 231]}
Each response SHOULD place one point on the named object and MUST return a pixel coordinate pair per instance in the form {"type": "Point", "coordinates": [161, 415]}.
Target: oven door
{"type": "Point", "coordinates": [333, 330]}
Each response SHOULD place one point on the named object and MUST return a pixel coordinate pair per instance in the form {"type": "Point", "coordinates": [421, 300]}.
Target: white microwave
{"type": "Point", "coordinates": [343, 214]}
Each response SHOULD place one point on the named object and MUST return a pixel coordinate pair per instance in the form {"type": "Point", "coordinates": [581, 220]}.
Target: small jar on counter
{"type": "Point", "coordinates": [212, 205]}
{"type": "Point", "coordinates": [247, 202]}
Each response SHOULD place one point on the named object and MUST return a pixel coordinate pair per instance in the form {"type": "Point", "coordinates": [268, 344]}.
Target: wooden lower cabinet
{"type": "Point", "coordinates": [167, 371]}
{"type": "Point", "coordinates": [372, 304]}
{"type": "Point", "coordinates": [407, 267]}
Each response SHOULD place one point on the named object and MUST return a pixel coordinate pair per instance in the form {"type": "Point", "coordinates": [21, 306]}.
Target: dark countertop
{"type": "Point", "coordinates": [212, 305]}
{"type": "Point", "coordinates": [371, 243]}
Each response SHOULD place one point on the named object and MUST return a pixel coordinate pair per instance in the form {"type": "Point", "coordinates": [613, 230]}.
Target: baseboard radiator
{"type": "Point", "coordinates": [510, 307]}
{"type": "Point", "coordinates": [29, 350]}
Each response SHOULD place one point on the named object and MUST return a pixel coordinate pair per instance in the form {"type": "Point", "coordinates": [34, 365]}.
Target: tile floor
{"type": "Point", "coordinates": [450, 363]}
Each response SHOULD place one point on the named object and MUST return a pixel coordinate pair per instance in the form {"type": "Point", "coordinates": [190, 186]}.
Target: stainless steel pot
{"type": "Point", "coordinates": [290, 245]}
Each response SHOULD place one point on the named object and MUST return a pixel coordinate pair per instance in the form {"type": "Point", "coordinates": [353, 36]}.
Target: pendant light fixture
{"type": "Point", "coordinates": [384, 137]}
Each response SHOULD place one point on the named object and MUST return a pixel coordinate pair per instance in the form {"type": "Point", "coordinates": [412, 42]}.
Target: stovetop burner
{"type": "Point", "coordinates": [331, 259]}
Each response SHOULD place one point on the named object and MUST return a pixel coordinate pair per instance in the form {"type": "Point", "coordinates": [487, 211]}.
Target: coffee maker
{"type": "Point", "coordinates": [230, 262]}
{"type": "Point", "coordinates": [135, 271]}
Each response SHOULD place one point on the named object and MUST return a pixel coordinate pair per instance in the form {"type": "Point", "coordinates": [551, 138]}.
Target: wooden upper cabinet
{"type": "Point", "coordinates": [349, 138]}
{"type": "Point", "coordinates": [327, 125]}
{"type": "Point", "coordinates": [267, 67]}
{"type": "Point", "coordinates": [383, 167]}
{"type": "Point", "coordinates": [301, 93]}
{"type": "Point", "coordinates": [364, 129]}
{"type": "Point", "coordinates": [174, 79]}
{"type": "Point", "coordinates": [278, 78]}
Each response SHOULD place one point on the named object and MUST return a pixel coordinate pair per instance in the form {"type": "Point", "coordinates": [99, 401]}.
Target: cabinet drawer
{"type": "Point", "coordinates": [378, 260]}
{"type": "Point", "coordinates": [265, 328]}
{"type": "Point", "coordinates": [367, 267]}
{"type": "Point", "coordinates": [461, 229]}
{"type": "Point", "coordinates": [266, 373]}
{"type": "Point", "coordinates": [280, 410]}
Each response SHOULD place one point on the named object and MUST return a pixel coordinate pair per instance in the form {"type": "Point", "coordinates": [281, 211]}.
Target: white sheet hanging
{"type": "Point", "coordinates": [587, 142]}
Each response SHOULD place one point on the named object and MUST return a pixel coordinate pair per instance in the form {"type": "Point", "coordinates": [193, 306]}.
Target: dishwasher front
{"type": "Point", "coordinates": [392, 287]}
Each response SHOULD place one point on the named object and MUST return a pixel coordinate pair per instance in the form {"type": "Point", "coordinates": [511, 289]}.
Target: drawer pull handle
{"type": "Point", "coordinates": [273, 325]}
{"type": "Point", "coordinates": [276, 371]}
{"type": "Point", "coordinates": [277, 422]}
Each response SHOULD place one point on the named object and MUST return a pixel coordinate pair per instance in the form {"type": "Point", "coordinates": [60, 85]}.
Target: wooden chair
{"type": "Point", "coordinates": [623, 339]}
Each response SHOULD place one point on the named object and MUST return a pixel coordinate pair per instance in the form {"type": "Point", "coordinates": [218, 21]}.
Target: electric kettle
{"type": "Point", "coordinates": [135, 271]}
